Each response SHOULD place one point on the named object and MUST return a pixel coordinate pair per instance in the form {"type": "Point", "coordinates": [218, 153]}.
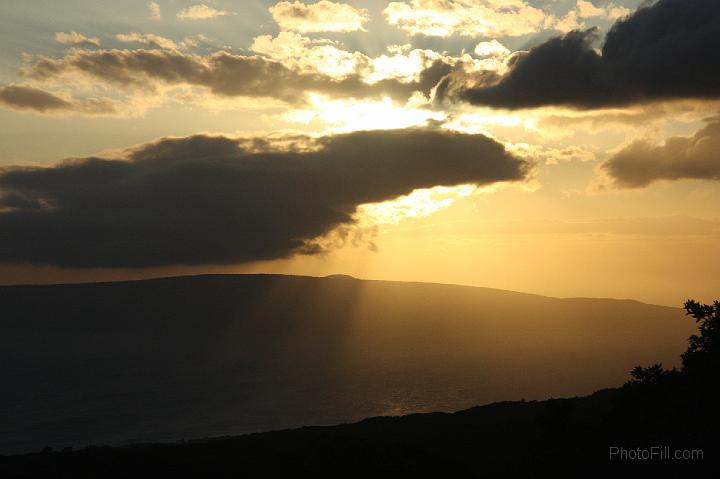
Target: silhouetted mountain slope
{"type": "Point", "coordinates": [553, 438]}
{"type": "Point", "coordinates": [186, 357]}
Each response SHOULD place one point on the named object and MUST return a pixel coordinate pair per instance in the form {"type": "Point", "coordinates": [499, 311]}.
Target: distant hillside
{"type": "Point", "coordinates": [188, 357]}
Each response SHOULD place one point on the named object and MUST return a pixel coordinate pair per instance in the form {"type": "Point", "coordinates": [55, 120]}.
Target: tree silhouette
{"type": "Point", "coordinates": [649, 375]}
{"type": "Point", "coordinates": [703, 354]}
{"type": "Point", "coordinates": [702, 357]}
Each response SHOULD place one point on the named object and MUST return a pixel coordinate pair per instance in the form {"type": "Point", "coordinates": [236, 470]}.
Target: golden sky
{"type": "Point", "coordinates": [566, 148]}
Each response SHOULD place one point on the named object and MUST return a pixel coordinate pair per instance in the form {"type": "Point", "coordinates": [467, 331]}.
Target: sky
{"type": "Point", "coordinates": [559, 147]}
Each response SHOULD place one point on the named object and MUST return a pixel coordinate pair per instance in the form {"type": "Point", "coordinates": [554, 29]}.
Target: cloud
{"type": "Point", "coordinates": [663, 51]}
{"type": "Point", "coordinates": [307, 55]}
{"type": "Point", "coordinates": [643, 162]}
{"type": "Point", "coordinates": [323, 16]}
{"type": "Point", "coordinates": [492, 48]}
{"type": "Point", "coordinates": [224, 74]}
{"type": "Point", "coordinates": [551, 156]}
{"type": "Point", "coordinates": [75, 38]}
{"type": "Point", "coordinates": [443, 18]}
{"type": "Point", "coordinates": [27, 98]}
{"type": "Point", "coordinates": [154, 10]}
{"type": "Point", "coordinates": [150, 39]}
{"type": "Point", "coordinates": [201, 12]}
{"type": "Point", "coordinates": [313, 56]}
{"type": "Point", "coordinates": [489, 18]}
{"type": "Point", "coordinates": [584, 10]}
{"type": "Point", "coordinates": [219, 200]}
{"type": "Point", "coordinates": [587, 9]}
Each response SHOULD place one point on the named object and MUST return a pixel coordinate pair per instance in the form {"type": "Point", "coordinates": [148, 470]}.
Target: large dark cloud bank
{"type": "Point", "coordinates": [214, 200]}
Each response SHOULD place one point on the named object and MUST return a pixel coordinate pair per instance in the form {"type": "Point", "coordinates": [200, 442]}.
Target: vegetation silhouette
{"type": "Point", "coordinates": [702, 357]}
{"type": "Point", "coordinates": [671, 410]}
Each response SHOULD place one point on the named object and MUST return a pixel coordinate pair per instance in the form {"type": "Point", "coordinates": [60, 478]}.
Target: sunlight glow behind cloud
{"type": "Point", "coordinates": [418, 204]}
{"type": "Point", "coordinates": [351, 115]}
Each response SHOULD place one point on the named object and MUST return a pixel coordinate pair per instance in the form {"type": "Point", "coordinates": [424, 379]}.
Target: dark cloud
{"type": "Point", "coordinates": [224, 74]}
{"type": "Point", "coordinates": [665, 50]}
{"type": "Point", "coordinates": [642, 163]}
{"type": "Point", "coordinates": [28, 98]}
{"type": "Point", "coordinates": [20, 97]}
{"type": "Point", "coordinates": [211, 200]}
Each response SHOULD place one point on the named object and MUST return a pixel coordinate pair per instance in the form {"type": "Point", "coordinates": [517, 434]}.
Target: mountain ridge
{"type": "Point", "coordinates": [339, 276]}
{"type": "Point", "coordinates": [213, 355]}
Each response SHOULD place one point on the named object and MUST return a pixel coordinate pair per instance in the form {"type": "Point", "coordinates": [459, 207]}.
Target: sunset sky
{"type": "Point", "coordinates": [559, 147]}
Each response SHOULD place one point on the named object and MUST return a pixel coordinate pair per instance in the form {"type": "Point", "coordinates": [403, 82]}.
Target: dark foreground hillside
{"type": "Point", "coordinates": [181, 358]}
{"type": "Point", "coordinates": [562, 438]}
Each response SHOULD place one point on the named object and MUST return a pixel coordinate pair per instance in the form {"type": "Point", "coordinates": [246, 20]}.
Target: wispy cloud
{"type": "Point", "coordinates": [443, 18]}
{"type": "Point", "coordinates": [75, 38]}
{"type": "Point", "coordinates": [231, 75]}
{"type": "Point", "coordinates": [201, 12]}
{"type": "Point", "coordinates": [323, 16]}
{"type": "Point", "coordinates": [28, 98]}
{"type": "Point", "coordinates": [154, 10]}
{"type": "Point", "coordinates": [147, 39]}
{"type": "Point", "coordinates": [491, 18]}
